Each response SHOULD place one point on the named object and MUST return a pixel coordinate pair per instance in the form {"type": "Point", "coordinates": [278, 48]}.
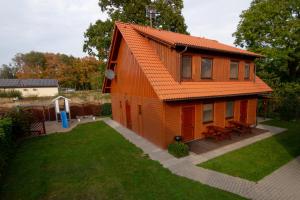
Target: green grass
{"type": "Point", "coordinates": [94, 162]}
{"type": "Point", "coordinates": [258, 160]}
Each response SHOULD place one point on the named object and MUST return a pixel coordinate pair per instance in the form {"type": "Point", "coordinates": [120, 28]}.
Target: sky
{"type": "Point", "coordinates": [58, 25]}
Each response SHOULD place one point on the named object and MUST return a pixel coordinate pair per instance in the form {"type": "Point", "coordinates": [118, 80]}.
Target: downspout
{"type": "Point", "coordinates": [180, 53]}
{"type": "Point", "coordinates": [254, 73]}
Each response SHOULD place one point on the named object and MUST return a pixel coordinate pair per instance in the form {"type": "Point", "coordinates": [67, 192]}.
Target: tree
{"type": "Point", "coordinates": [7, 72]}
{"type": "Point", "coordinates": [79, 73]}
{"type": "Point", "coordinates": [98, 35]}
{"type": "Point", "coordinates": [272, 28]}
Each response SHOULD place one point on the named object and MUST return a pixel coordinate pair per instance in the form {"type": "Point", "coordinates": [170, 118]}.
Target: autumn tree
{"type": "Point", "coordinates": [272, 28]}
{"type": "Point", "coordinates": [79, 73]}
{"type": "Point", "coordinates": [98, 35]}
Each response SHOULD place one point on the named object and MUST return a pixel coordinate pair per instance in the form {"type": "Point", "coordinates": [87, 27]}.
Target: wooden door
{"type": "Point", "coordinates": [188, 123]}
{"type": "Point", "coordinates": [243, 111]}
{"type": "Point", "coordinates": [128, 115]}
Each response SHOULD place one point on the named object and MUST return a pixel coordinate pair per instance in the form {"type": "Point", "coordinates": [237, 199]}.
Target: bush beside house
{"type": "Point", "coordinates": [178, 149]}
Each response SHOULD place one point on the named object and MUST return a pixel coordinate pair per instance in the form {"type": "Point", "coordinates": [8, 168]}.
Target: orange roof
{"type": "Point", "coordinates": [163, 83]}
{"type": "Point", "coordinates": [177, 39]}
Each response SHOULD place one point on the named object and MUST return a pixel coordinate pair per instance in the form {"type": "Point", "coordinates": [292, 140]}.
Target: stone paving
{"type": "Point", "coordinates": [56, 127]}
{"type": "Point", "coordinates": [284, 183]}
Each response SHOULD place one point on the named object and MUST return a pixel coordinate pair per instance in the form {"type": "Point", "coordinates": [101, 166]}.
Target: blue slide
{"type": "Point", "coordinates": [64, 119]}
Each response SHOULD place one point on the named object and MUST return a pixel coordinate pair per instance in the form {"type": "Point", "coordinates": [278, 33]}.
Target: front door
{"type": "Point", "coordinates": [243, 111]}
{"type": "Point", "coordinates": [128, 115]}
{"type": "Point", "coordinates": [188, 123]}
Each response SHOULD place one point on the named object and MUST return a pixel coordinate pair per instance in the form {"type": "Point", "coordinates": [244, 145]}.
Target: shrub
{"type": "Point", "coordinates": [6, 143]}
{"type": "Point", "coordinates": [21, 122]}
{"type": "Point", "coordinates": [10, 94]}
{"type": "Point", "coordinates": [288, 96]}
{"type": "Point", "coordinates": [106, 109]}
{"type": "Point", "coordinates": [178, 149]}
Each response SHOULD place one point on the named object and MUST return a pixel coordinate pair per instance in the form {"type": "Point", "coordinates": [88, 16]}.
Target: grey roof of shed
{"type": "Point", "coordinates": [24, 83]}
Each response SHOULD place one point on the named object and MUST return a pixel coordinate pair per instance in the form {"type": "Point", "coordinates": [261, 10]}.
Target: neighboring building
{"type": "Point", "coordinates": [31, 87]}
{"type": "Point", "coordinates": [170, 84]}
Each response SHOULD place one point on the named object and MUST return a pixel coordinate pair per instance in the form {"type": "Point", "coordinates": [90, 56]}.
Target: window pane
{"type": "Point", "coordinates": [207, 112]}
{"type": "Point", "coordinates": [234, 69]}
{"type": "Point", "coordinates": [206, 68]}
{"type": "Point", "coordinates": [186, 67]}
{"type": "Point", "coordinates": [247, 71]}
{"type": "Point", "coordinates": [229, 109]}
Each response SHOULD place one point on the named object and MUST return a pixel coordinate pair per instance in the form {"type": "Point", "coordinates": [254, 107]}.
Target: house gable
{"type": "Point", "coordinates": [161, 78]}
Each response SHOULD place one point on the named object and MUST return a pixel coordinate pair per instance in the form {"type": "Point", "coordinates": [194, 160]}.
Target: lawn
{"type": "Point", "coordinates": [94, 162]}
{"type": "Point", "coordinates": [258, 160]}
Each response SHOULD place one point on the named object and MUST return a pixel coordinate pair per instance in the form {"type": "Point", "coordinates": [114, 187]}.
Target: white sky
{"type": "Point", "coordinates": [59, 25]}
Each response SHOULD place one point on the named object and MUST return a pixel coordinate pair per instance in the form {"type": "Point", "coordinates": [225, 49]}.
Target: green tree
{"type": "Point", "coordinates": [272, 28]}
{"type": "Point", "coordinates": [7, 71]}
{"type": "Point", "coordinates": [98, 35]}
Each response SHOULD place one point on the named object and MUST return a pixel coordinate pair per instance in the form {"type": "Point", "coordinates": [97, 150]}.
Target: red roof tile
{"type": "Point", "coordinates": [163, 83]}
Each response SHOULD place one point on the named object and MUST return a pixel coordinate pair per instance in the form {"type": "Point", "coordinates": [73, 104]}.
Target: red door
{"type": "Point", "coordinates": [128, 115]}
{"type": "Point", "coordinates": [187, 123]}
{"type": "Point", "coordinates": [243, 111]}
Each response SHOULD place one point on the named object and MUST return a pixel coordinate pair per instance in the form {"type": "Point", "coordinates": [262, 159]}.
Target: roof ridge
{"type": "Point", "coordinates": [180, 39]}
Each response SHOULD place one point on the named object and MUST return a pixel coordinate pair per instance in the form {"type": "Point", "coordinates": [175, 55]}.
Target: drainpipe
{"type": "Point", "coordinates": [180, 53]}
{"type": "Point", "coordinates": [254, 73]}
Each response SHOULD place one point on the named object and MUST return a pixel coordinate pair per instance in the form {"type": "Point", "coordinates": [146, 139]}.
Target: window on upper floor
{"type": "Point", "coordinates": [229, 109]}
{"type": "Point", "coordinates": [206, 68]}
{"type": "Point", "coordinates": [186, 67]}
{"type": "Point", "coordinates": [247, 71]}
{"type": "Point", "coordinates": [208, 112]}
{"type": "Point", "coordinates": [234, 70]}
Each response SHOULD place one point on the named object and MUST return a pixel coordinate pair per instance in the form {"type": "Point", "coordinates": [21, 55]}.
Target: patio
{"type": "Point", "coordinates": [208, 144]}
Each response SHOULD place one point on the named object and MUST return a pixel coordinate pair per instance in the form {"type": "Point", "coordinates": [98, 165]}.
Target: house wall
{"type": "Point", "coordinates": [132, 86]}
{"type": "Point", "coordinates": [221, 64]}
{"type": "Point", "coordinates": [173, 116]}
{"type": "Point", "coordinates": [38, 92]}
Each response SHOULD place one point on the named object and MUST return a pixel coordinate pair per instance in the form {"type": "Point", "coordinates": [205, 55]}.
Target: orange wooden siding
{"type": "Point", "coordinates": [169, 57]}
{"type": "Point", "coordinates": [173, 117]}
{"type": "Point", "coordinates": [221, 64]}
{"type": "Point", "coordinates": [132, 86]}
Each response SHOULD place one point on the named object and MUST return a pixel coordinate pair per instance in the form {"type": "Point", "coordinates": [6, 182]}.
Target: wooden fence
{"type": "Point", "coordinates": [76, 110]}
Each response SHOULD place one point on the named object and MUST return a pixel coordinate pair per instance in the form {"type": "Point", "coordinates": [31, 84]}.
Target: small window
{"type": "Point", "coordinates": [206, 68]}
{"type": "Point", "coordinates": [208, 114]}
{"type": "Point", "coordinates": [140, 109]}
{"type": "Point", "coordinates": [120, 104]}
{"type": "Point", "coordinates": [34, 89]}
{"type": "Point", "coordinates": [234, 70]}
{"type": "Point", "coordinates": [25, 90]}
{"type": "Point", "coordinates": [186, 68]}
{"type": "Point", "coordinates": [229, 109]}
{"type": "Point", "coordinates": [247, 71]}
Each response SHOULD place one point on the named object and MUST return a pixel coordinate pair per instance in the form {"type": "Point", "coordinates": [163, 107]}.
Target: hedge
{"type": "Point", "coordinates": [6, 142]}
{"type": "Point", "coordinates": [10, 94]}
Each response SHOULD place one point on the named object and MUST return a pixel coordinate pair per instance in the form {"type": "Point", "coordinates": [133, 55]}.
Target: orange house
{"type": "Point", "coordinates": [169, 84]}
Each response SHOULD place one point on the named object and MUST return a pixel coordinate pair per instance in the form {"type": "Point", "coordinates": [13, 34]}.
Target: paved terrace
{"type": "Point", "coordinates": [284, 183]}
